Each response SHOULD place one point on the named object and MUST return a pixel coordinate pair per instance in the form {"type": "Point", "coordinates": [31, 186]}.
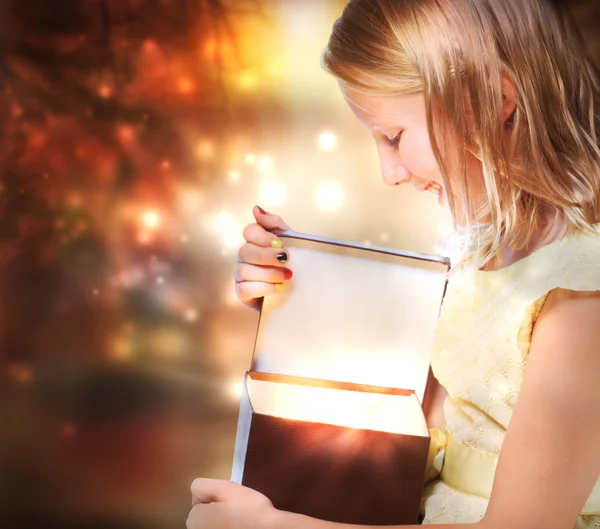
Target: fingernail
{"type": "Point", "coordinates": [282, 257]}
{"type": "Point", "coordinates": [277, 243]}
{"type": "Point", "coordinates": [287, 273]}
{"type": "Point", "coordinates": [261, 210]}
{"type": "Point", "coordinates": [279, 287]}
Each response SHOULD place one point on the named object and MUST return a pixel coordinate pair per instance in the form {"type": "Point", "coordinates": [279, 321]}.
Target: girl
{"type": "Point", "coordinates": [493, 106]}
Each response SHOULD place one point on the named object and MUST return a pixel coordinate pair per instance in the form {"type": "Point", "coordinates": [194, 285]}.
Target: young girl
{"type": "Point", "coordinates": [493, 106]}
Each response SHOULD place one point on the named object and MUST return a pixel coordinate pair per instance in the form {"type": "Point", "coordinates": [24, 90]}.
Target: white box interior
{"type": "Point", "coordinates": [352, 315]}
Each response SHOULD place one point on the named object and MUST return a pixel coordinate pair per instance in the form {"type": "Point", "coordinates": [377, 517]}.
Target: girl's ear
{"type": "Point", "coordinates": [509, 97]}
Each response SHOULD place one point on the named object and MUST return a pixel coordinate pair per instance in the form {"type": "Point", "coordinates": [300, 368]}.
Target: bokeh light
{"type": "Point", "coordinates": [329, 196]}
{"type": "Point", "coordinates": [327, 141]}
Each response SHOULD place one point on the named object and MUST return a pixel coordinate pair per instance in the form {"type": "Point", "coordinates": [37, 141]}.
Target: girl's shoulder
{"type": "Point", "coordinates": [571, 263]}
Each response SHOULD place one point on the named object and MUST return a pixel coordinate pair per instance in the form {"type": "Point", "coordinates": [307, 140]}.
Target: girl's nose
{"type": "Point", "coordinates": [395, 175]}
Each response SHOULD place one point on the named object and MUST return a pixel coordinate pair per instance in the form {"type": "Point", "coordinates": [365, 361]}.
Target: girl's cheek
{"type": "Point", "coordinates": [417, 156]}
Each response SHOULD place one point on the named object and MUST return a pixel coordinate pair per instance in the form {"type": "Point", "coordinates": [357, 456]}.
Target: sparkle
{"type": "Point", "coordinates": [185, 85]}
{"type": "Point", "coordinates": [151, 219]}
{"type": "Point", "coordinates": [104, 91]}
{"type": "Point", "coordinates": [327, 141]}
{"type": "Point", "coordinates": [190, 315]}
{"type": "Point", "coordinates": [125, 133]}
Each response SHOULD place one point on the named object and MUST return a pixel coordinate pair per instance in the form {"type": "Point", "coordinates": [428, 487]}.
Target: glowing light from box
{"type": "Point", "coordinates": [272, 193]}
{"type": "Point", "coordinates": [250, 158]}
{"type": "Point", "coordinates": [400, 414]}
{"type": "Point", "coordinates": [329, 196]}
{"type": "Point", "coordinates": [327, 141]}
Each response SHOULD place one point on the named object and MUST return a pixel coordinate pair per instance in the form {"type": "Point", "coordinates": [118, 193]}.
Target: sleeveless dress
{"type": "Point", "coordinates": [479, 356]}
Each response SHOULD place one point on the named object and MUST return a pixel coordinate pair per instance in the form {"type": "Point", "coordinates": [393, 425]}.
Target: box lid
{"type": "Point", "coordinates": [352, 313]}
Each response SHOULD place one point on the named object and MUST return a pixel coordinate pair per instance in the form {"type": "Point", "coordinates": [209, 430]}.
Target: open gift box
{"type": "Point", "coordinates": [332, 422]}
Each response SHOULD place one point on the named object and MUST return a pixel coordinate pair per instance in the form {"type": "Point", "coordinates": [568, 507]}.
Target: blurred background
{"type": "Point", "coordinates": [136, 137]}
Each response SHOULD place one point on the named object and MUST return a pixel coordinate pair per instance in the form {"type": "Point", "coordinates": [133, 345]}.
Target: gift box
{"type": "Point", "coordinates": [332, 422]}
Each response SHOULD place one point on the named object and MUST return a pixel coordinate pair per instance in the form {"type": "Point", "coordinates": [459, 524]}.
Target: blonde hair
{"type": "Point", "coordinates": [544, 160]}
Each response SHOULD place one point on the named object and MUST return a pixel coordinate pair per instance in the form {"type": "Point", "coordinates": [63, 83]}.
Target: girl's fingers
{"type": "Point", "coordinates": [269, 221]}
{"type": "Point", "coordinates": [252, 254]}
{"type": "Point", "coordinates": [266, 274]}
{"type": "Point", "coordinates": [250, 291]}
{"type": "Point", "coordinates": [256, 234]}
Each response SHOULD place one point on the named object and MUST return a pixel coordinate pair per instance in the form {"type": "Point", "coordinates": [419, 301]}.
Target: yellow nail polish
{"type": "Point", "coordinates": [277, 243]}
{"type": "Point", "coordinates": [279, 287]}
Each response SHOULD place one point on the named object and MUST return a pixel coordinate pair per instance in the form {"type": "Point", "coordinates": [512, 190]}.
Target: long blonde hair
{"type": "Point", "coordinates": [545, 158]}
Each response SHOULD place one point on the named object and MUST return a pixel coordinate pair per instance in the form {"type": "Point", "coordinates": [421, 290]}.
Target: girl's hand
{"type": "Point", "coordinates": [261, 269]}
{"type": "Point", "coordinates": [225, 505]}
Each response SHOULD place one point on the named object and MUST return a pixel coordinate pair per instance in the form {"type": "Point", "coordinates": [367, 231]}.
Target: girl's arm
{"type": "Point", "coordinates": [550, 458]}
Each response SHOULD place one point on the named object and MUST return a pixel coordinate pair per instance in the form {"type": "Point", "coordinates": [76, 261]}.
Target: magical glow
{"type": "Point", "coordinates": [250, 158]}
{"type": "Point", "coordinates": [329, 196]}
{"type": "Point", "coordinates": [354, 409]}
{"type": "Point", "coordinates": [327, 141]}
{"type": "Point", "coordinates": [272, 193]}
{"type": "Point", "coordinates": [151, 219]}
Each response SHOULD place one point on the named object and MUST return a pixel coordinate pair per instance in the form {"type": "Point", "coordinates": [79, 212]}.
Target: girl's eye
{"type": "Point", "coordinates": [395, 141]}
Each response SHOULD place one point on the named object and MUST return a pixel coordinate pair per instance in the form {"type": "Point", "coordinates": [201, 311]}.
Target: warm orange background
{"type": "Point", "coordinates": [136, 137]}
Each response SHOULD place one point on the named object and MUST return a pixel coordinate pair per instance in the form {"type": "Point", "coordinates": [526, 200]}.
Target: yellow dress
{"type": "Point", "coordinates": [480, 354]}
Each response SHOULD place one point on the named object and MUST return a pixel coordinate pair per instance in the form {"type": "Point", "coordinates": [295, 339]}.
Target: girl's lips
{"type": "Point", "coordinates": [433, 187]}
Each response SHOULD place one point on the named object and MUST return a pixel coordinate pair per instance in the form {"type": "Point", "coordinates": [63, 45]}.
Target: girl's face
{"type": "Point", "coordinates": [399, 126]}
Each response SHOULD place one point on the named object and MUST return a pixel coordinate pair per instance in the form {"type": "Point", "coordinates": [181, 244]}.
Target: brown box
{"type": "Point", "coordinates": [331, 423]}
